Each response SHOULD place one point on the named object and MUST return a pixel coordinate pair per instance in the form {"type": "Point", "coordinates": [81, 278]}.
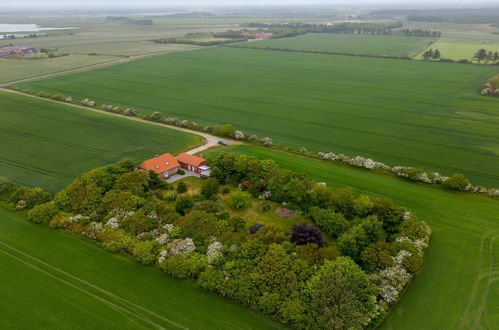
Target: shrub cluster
{"type": "Point", "coordinates": [491, 87]}
{"type": "Point", "coordinates": [297, 278]}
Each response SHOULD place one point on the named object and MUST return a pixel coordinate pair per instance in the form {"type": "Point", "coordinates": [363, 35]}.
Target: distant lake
{"type": "Point", "coordinates": [10, 28]}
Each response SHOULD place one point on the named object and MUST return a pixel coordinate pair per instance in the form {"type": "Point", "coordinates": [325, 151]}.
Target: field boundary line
{"type": "Point", "coordinates": [97, 65]}
{"type": "Point", "coordinates": [210, 140]}
{"type": "Point", "coordinates": [84, 282]}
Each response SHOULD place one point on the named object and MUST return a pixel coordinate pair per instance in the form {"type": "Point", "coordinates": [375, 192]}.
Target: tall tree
{"type": "Point", "coordinates": [436, 54]}
{"type": "Point", "coordinates": [428, 54]}
{"type": "Point", "coordinates": [480, 55]}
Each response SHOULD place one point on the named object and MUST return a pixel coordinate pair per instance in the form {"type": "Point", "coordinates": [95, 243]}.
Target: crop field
{"type": "Point", "coordinates": [20, 68]}
{"type": "Point", "coordinates": [401, 112]}
{"type": "Point", "coordinates": [348, 43]}
{"type": "Point", "coordinates": [458, 286]}
{"type": "Point", "coordinates": [460, 50]}
{"type": "Point", "coordinates": [47, 144]}
{"type": "Point", "coordinates": [75, 284]}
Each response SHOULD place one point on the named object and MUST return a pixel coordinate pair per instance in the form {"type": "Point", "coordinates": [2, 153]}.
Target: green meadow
{"type": "Point", "coordinates": [400, 112]}
{"type": "Point", "coordinates": [458, 286]}
{"type": "Point", "coordinates": [48, 144]}
{"type": "Point", "coordinates": [54, 280]}
{"type": "Point", "coordinates": [347, 43]}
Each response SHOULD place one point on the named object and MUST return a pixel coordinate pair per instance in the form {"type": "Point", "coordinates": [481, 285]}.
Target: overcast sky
{"type": "Point", "coordinates": [207, 3]}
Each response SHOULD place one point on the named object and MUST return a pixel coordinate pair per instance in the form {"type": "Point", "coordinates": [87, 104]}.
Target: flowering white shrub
{"type": "Point", "coordinates": [266, 141]}
{"type": "Point", "coordinates": [168, 227]}
{"type": "Point", "coordinates": [153, 215]}
{"type": "Point", "coordinates": [69, 99]}
{"type": "Point", "coordinates": [420, 244]}
{"type": "Point", "coordinates": [253, 138]}
{"type": "Point", "coordinates": [239, 135]}
{"type": "Point", "coordinates": [265, 195]}
{"type": "Point", "coordinates": [162, 256]}
{"type": "Point", "coordinates": [181, 246]}
{"type": "Point", "coordinates": [391, 281]}
{"type": "Point", "coordinates": [93, 229]}
{"type": "Point", "coordinates": [88, 103]}
{"type": "Point", "coordinates": [77, 218]}
{"type": "Point", "coordinates": [21, 204]}
{"type": "Point", "coordinates": [162, 239]}
{"type": "Point", "coordinates": [214, 251]}
{"type": "Point", "coordinates": [112, 222]}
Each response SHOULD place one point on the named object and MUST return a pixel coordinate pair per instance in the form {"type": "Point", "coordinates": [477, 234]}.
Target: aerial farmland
{"type": "Point", "coordinates": [257, 167]}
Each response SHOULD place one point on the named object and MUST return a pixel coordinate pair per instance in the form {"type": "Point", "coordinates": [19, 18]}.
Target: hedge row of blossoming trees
{"type": "Point", "coordinates": [457, 181]}
{"type": "Point", "coordinates": [374, 248]}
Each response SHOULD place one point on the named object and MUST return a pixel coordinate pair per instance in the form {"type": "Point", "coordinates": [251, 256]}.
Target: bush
{"type": "Point", "coordinates": [181, 172]}
{"type": "Point", "coordinates": [143, 252]}
{"type": "Point", "coordinates": [188, 265]}
{"type": "Point", "coordinates": [181, 187]}
{"type": "Point", "coordinates": [184, 205]}
{"type": "Point", "coordinates": [456, 182]}
{"type": "Point", "coordinates": [227, 130]}
{"type": "Point", "coordinates": [334, 224]}
{"type": "Point", "coordinates": [239, 200]}
{"type": "Point", "coordinates": [210, 188]}
{"type": "Point", "coordinates": [43, 213]}
{"type": "Point", "coordinates": [306, 234]}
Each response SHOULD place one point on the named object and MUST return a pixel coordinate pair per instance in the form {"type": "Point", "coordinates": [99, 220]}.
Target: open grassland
{"type": "Point", "coordinates": [401, 112]}
{"type": "Point", "coordinates": [47, 144]}
{"type": "Point", "coordinates": [348, 43]}
{"type": "Point", "coordinates": [53, 280]}
{"type": "Point", "coordinates": [458, 287]}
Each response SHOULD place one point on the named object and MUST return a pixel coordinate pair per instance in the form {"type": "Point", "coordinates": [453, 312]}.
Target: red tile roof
{"type": "Point", "coordinates": [190, 159]}
{"type": "Point", "coordinates": [160, 164]}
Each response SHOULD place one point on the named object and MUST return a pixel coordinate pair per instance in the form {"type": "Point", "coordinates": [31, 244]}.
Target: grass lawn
{"type": "Point", "coordinates": [348, 43]}
{"type": "Point", "coordinates": [458, 287]}
{"type": "Point", "coordinates": [47, 144]}
{"type": "Point", "coordinates": [54, 280]}
{"type": "Point", "coordinates": [401, 112]}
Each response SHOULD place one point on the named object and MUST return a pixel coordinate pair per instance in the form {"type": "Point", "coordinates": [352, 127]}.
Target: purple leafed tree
{"type": "Point", "coordinates": [305, 234]}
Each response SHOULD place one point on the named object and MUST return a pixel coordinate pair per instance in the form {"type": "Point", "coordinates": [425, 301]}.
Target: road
{"type": "Point", "coordinates": [210, 140]}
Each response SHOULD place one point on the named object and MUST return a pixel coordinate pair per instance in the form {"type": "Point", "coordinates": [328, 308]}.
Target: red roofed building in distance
{"type": "Point", "coordinates": [263, 35]}
{"type": "Point", "coordinates": [165, 165]}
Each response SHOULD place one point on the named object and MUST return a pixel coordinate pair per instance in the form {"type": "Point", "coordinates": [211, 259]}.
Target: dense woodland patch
{"type": "Point", "coordinates": [343, 272]}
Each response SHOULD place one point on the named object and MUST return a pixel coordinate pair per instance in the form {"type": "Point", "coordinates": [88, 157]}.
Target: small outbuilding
{"type": "Point", "coordinates": [164, 165]}
{"type": "Point", "coordinates": [192, 163]}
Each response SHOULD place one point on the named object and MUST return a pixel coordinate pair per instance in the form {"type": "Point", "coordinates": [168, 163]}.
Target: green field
{"type": "Point", "coordinates": [47, 144]}
{"type": "Point", "coordinates": [402, 112]}
{"type": "Point", "coordinates": [458, 287]}
{"type": "Point", "coordinates": [21, 68]}
{"type": "Point", "coordinates": [460, 50]}
{"type": "Point", "coordinates": [348, 43]}
{"type": "Point", "coordinates": [54, 280]}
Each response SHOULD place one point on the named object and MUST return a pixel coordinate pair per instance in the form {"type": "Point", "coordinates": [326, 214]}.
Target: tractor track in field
{"type": "Point", "coordinates": [210, 140]}
{"type": "Point", "coordinates": [122, 304]}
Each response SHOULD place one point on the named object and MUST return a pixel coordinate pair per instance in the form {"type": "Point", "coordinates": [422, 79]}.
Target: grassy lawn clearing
{"type": "Point", "coordinates": [457, 288]}
{"type": "Point", "coordinates": [460, 50]}
{"type": "Point", "coordinates": [401, 112]}
{"type": "Point", "coordinates": [47, 144]}
{"type": "Point", "coordinates": [63, 282]}
{"type": "Point", "coordinates": [348, 43]}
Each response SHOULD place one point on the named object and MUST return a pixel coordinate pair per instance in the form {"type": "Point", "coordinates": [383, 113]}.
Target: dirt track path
{"type": "Point", "coordinates": [210, 140]}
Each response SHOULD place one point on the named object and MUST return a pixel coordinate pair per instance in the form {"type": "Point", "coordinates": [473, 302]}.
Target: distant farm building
{"type": "Point", "coordinates": [263, 35]}
{"type": "Point", "coordinates": [17, 51]}
{"type": "Point", "coordinates": [165, 165]}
